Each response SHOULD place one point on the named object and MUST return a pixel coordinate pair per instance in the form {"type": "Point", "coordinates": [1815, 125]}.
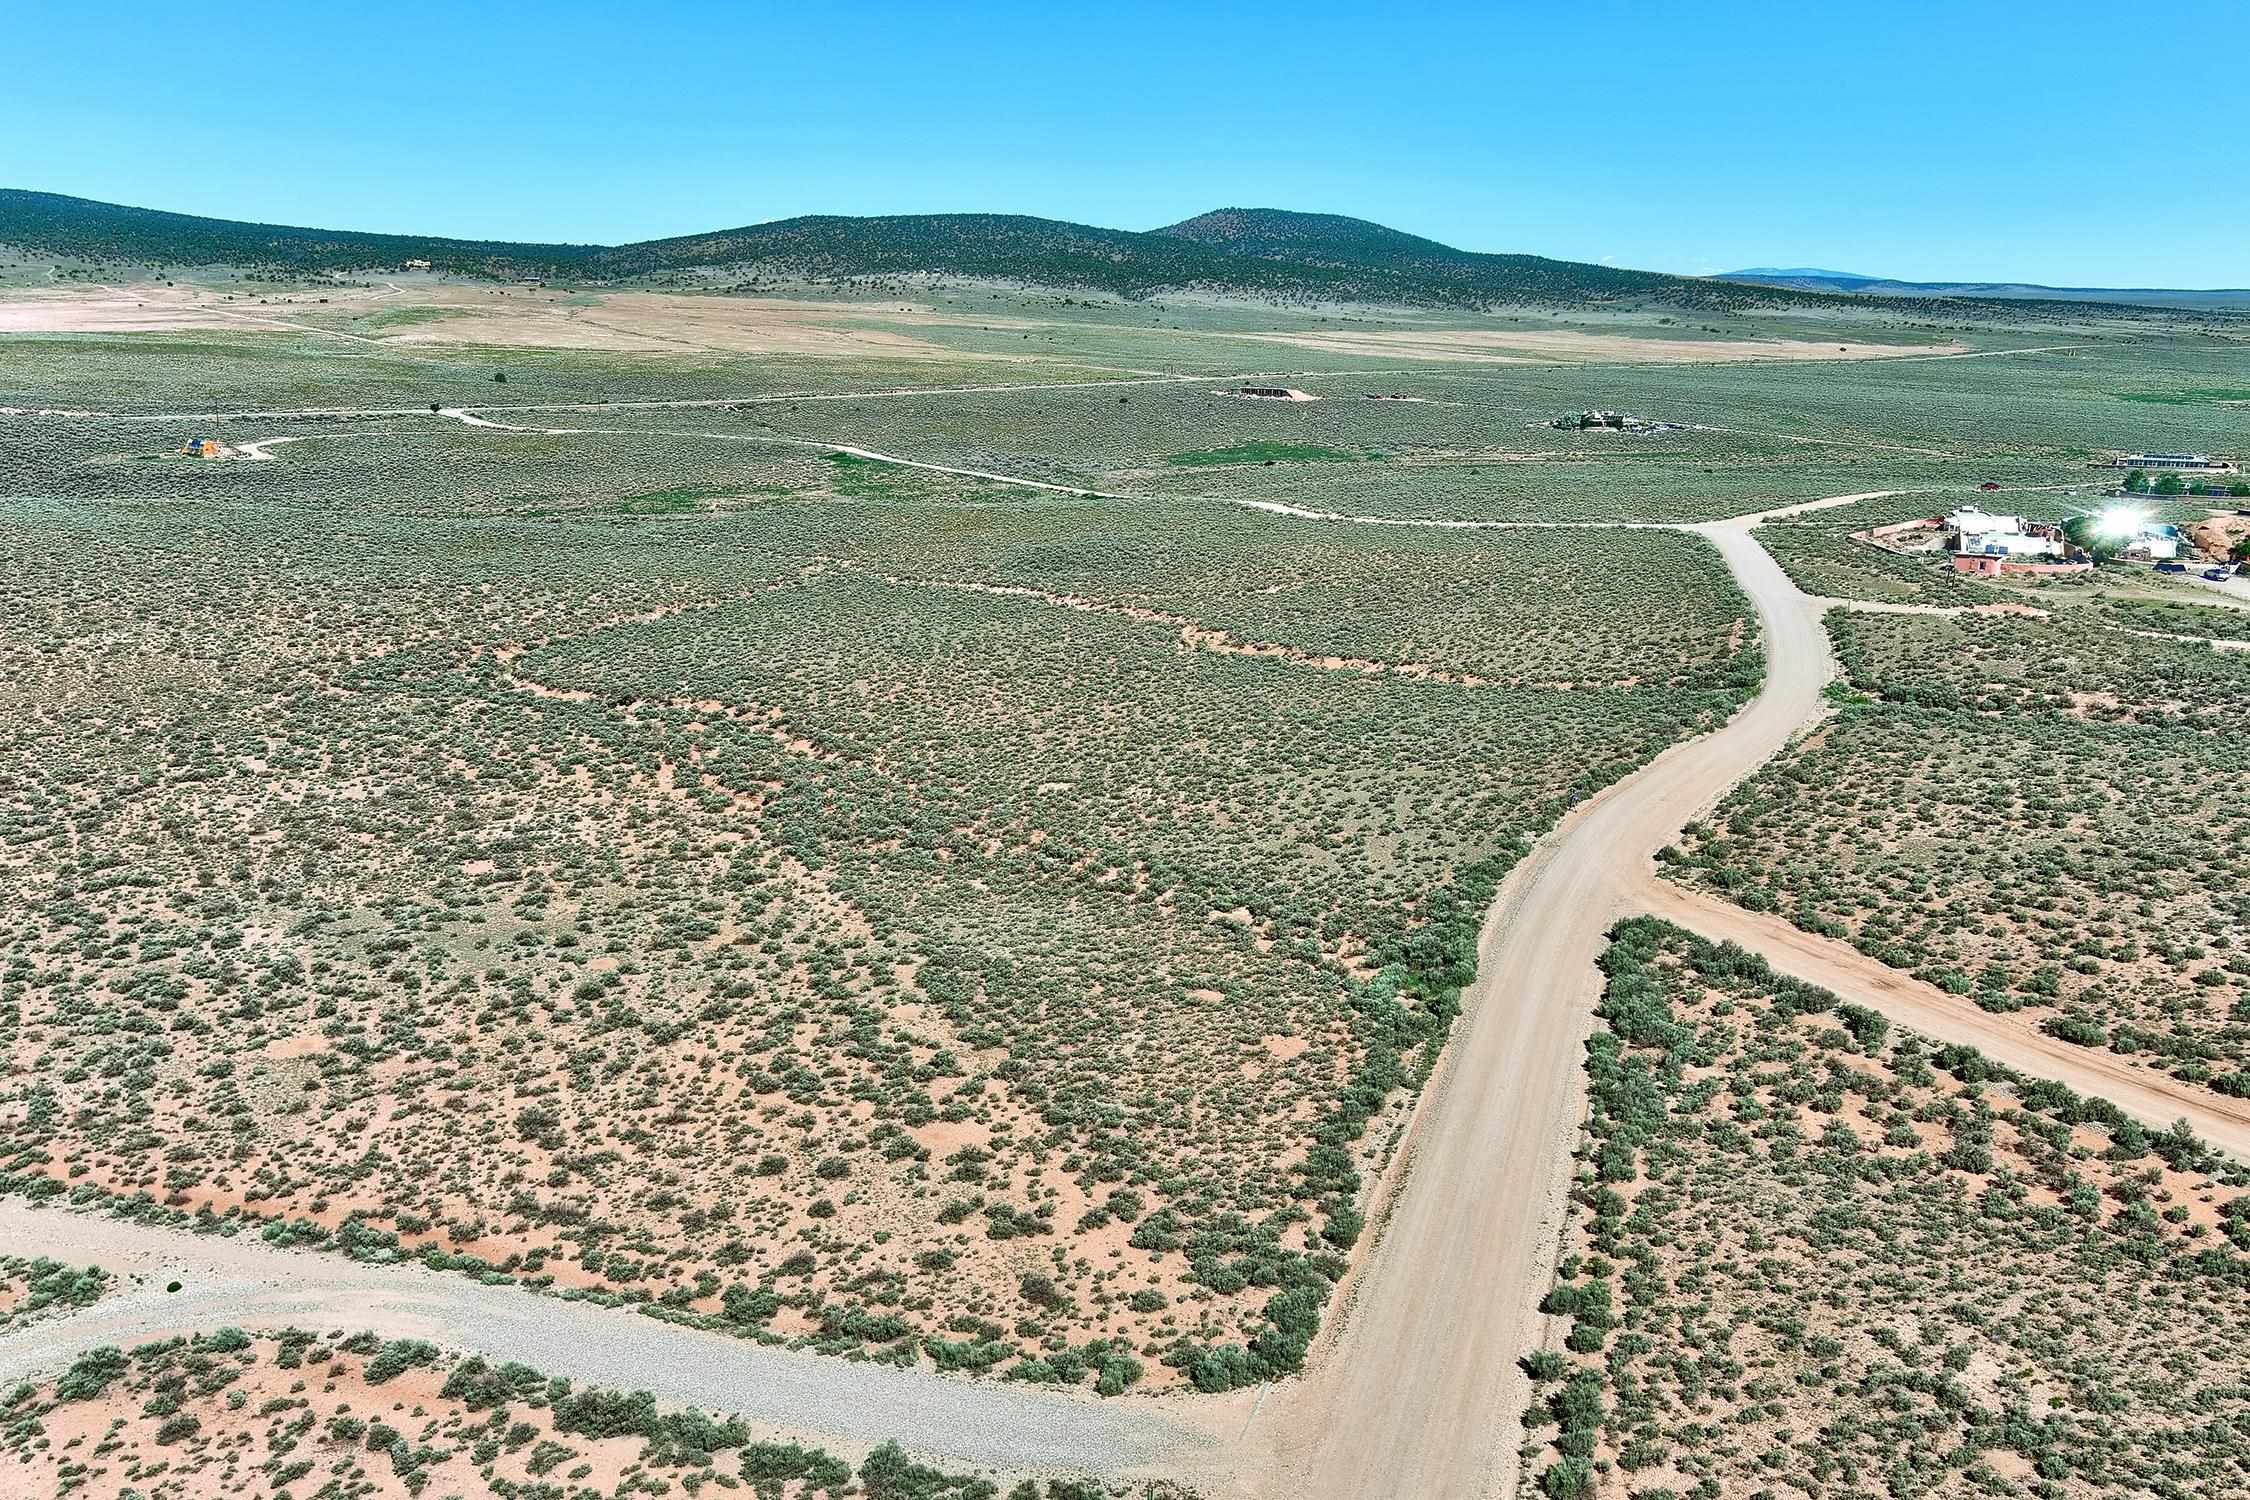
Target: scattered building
{"type": "Point", "coordinates": [417, 265]}
{"type": "Point", "coordinates": [202, 447]}
{"type": "Point", "coordinates": [1992, 564]}
{"type": "Point", "coordinates": [1984, 534]}
{"type": "Point", "coordinates": [2196, 463]}
{"type": "Point", "coordinates": [1271, 393]}
{"type": "Point", "coordinates": [1991, 544]}
{"type": "Point", "coordinates": [2152, 543]}
{"type": "Point", "coordinates": [1597, 420]}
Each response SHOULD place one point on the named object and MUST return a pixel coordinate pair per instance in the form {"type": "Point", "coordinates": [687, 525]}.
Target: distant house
{"type": "Point", "coordinates": [1985, 543]}
{"type": "Point", "coordinates": [417, 265]}
{"type": "Point", "coordinates": [2201, 463]}
{"type": "Point", "coordinates": [205, 448]}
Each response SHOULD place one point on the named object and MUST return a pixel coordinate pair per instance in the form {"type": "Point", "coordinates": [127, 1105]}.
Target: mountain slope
{"type": "Point", "coordinates": [1330, 238]}
{"type": "Point", "coordinates": [1355, 250]}
{"type": "Point", "coordinates": [1267, 254]}
{"type": "Point", "coordinates": [1258, 253]}
{"type": "Point", "coordinates": [1805, 273]}
{"type": "Point", "coordinates": [91, 230]}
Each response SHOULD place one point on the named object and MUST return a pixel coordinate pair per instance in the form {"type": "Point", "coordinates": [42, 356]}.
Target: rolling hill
{"type": "Point", "coordinates": [1258, 253]}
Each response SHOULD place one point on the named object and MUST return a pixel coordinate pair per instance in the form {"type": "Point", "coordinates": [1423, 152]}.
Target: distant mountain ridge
{"type": "Point", "coordinates": [1807, 272]}
{"type": "Point", "coordinates": [1251, 252]}
{"type": "Point", "coordinates": [1847, 283]}
{"type": "Point", "coordinates": [1258, 253]}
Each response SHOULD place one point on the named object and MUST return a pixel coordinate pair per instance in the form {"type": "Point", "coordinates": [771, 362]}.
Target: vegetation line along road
{"type": "Point", "coordinates": [1420, 1394]}
{"type": "Point", "coordinates": [1418, 1391]}
{"type": "Point", "coordinates": [684, 403]}
{"type": "Point", "coordinates": [844, 1405]}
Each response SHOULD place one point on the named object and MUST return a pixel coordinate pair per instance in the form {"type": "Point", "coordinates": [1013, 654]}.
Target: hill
{"type": "Point", "coordinates": [1258, 253]}
{"type": "Point", "coordinates": [1357, 253]}
{"type": "Point", "coordinates": [1802, 273]}
{"type": "Point", "coordinates": [85, 229]}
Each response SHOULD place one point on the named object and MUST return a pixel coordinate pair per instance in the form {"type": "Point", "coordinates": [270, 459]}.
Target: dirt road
{"type": "Point", "coordinates": [1415, 1389]}
{"type": "Point", "coordinates": [1418, 1395]}
{"type": "Point", "coordinates": [2149, 1096]}
{"type": "Point", "coordinates": [843, 1406]}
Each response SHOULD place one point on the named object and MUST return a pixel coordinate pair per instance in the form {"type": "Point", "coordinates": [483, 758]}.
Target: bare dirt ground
{"type": "Point", "coordinates": [437, 314]}
{"type": "Point", "coordinates": [506, 317]}
{"type": "Point", "coordinates": [1567, 345]}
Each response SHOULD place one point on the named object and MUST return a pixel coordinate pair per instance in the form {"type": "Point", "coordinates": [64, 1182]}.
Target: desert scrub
{"type": "Point", "coordinates": [288, 1410]}
{"type": "Point", "coordinates": [2035, 815]}
{"type": "Point", "coordinates": [30, 1287]}
{"type": "Point", "coordinates": [714, 913]}
{"type": "Point", "coordinates": [1808, 1250]}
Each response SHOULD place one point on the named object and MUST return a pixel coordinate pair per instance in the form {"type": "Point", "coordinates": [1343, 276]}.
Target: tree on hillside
{"type": "Point", "coordinates": [2170, 484]}
{"type": "Point", "coordinates": [2137, 482]}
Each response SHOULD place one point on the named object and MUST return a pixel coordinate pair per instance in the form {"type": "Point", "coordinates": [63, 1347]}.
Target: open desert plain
{"type": "Point", "coordinates": [954, 858]}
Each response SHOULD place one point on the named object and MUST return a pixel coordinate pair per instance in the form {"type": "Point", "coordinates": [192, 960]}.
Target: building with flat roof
{"type": "Point", "coordinates": [1983, 534]}
{"type": "Point", "coordinates": [2200, 463]}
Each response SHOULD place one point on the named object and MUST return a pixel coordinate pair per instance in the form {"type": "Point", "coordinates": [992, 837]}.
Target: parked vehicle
{"type": "Point", "coordinates": [2217, 575]}
{"type": "Point", "coordinates": [2171, 567]}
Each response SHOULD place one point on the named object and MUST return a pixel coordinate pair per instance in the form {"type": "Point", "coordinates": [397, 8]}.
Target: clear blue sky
{"type": "Point", "coordinates": [1971, 139]}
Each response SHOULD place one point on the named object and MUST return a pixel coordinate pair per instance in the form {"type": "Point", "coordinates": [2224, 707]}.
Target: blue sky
{"type": "Point", "coordinates": [1972, 139]}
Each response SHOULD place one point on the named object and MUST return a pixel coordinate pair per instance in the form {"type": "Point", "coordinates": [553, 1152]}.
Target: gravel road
{"type": "Point", "coordinates": [844, 1406]}
{"type": "Point", "coordinates": [1416, 1391]}
{"type": "Point", "coordinates": [1419, 1394]}
{"type": "Point", "coordinates": [2151, 1097]}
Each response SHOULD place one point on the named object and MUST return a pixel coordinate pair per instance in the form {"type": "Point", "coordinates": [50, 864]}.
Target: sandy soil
{"type": "Point", "coordinates": [508, 317]}
{"type": "Point", "coordinates": [1549, 345]}
{"type": "Point", "coordinates": [652, 322]}
{"type": "Point", "coordinates": [660, 322]}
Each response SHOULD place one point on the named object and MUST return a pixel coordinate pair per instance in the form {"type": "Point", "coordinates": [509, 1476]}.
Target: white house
{"type": "Point", "coordinates": [2156, 543]}
{"type": "Point", "coordinates": [1978, 532]}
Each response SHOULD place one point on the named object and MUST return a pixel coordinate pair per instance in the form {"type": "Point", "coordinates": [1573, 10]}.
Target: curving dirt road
{"type": "Point", "coordinates": [1419, 1394]}
{"type": "Point", "coordinates": [1414, 1390]}
{"type": "Point", "coordinates": [844, 1406]}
